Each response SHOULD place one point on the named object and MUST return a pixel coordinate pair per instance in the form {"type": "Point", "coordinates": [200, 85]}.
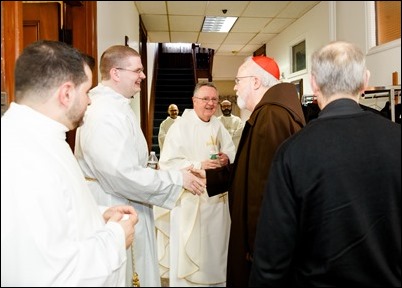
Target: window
{"type": "Point", "coordinates": [383, 22]}
{"type": "Point", "coordinates": [388, 24]}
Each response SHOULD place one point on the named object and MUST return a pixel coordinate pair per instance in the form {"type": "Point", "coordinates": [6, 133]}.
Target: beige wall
{"type": "Point", "coordinates": [225, 87]}
{"type": "Point", "coordinates": [116, 20]}
{"type": "Point", "coordinates": [336, 20]}
{"type": "Point", "coordinates": [381, 60]}
{"type": "Point", "coordinates": [225, 67]}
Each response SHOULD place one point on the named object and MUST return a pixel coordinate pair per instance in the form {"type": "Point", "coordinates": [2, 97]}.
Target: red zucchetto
{"type": "Point", "coordinates": [268, 64]}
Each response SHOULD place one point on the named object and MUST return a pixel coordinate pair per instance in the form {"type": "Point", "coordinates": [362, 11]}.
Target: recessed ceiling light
{"type": "Point", "coordinates": [218, 24]}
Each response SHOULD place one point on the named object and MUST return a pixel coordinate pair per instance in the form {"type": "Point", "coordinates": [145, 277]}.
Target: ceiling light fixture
{"type": "Point", "coordinates": [218, 24]}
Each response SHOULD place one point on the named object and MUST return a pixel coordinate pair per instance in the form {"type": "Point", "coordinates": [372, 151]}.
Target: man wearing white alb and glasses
{"type": "Point", "coordinates": [112, 153]}
{"type": "Point", "coordinates": [197, 242]}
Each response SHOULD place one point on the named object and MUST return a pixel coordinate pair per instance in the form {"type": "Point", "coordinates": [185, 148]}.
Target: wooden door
{"type": "Point", "coordinates": [23, 23]}
{"type": "Point", "coordinates": [41, 21]}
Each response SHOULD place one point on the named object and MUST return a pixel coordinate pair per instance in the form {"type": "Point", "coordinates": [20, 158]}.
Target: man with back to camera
{"type": "Point", "coordinates": [232, 123]}
{"type": "Point", "coordinates": [331, 212]}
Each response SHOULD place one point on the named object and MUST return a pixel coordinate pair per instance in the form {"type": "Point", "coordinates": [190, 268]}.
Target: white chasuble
{"type": "Point", "coordinates": [193, 237]}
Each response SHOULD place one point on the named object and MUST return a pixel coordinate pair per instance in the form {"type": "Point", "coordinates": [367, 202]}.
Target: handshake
{"type": "Point", "coordinates": [194, 180]}
{"type": "Point", "coordinates": [200, 173]}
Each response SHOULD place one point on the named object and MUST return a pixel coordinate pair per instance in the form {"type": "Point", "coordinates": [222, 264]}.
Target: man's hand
{"type": "Point", "coordinates": [193, 183]}
{"type": "Point", "coordinates": [223, 159]}
{"type": "Point", "coordinates": [210, 164]}
{"type": "Point", "coordinates": [200, 173]}
{"type": "Point", "coordinates": [121, 209]}
{"type": "Point", "coordinates": [126, 217]}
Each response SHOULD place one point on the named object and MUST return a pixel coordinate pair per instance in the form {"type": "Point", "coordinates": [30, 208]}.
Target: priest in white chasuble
{"type": "Point", "coordinates": [193, 237]}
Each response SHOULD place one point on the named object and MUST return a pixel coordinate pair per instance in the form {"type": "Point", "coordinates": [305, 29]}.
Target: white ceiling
{"type": "Point", "coordinates": [258, 22]}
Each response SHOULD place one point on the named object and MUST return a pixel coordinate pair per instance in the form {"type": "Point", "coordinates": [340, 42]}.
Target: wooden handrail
{"type": "Point", "coordinates": [211, 63]}
{"type": "Point", "coordinates": [152, 101]}
{"type": "Point", "coordinates": [194, 57]}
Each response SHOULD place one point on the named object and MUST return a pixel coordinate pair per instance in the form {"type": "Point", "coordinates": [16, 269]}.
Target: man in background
{"type": "Point", "coordinates": [331, 212]}
{"type": "Point", "coordinates": [232, 123]}
{"type": "Point", "coordinates": [173, 112]}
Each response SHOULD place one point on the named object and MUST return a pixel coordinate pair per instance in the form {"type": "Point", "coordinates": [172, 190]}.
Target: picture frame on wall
{"type": "Point", "coordinates": [299, 56]}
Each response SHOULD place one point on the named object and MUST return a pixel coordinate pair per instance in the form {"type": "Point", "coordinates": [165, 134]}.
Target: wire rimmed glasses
{"type": "Point", "coordinates": [138, 71]}
{"type": "Point", "coordinates": [237, 79]}
{"type": "Point", "coordinates": [206, 100]}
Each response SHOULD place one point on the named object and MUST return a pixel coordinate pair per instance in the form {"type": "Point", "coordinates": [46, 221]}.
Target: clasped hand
{"type": "Point", "coordinates": [221, 161]}
{"type": "Point", "coordinates": [116, 213]}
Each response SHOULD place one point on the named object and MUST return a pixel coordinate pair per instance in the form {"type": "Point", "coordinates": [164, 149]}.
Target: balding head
{"type": "Point", "coordinates": [173, 111]}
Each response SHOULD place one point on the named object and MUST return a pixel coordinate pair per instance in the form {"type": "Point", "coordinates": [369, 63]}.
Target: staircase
{"type": "Point", "coordinates": [174, 85]}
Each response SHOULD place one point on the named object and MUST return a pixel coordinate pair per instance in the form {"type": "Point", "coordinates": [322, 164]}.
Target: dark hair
{"type": "Point", "coordinates": [44, 65]}
{"type": "Point", "coordinates": [89, 60]}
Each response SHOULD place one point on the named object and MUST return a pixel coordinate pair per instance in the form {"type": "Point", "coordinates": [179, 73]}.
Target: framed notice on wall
{"type": "Point", "coordinates": [299, 56]}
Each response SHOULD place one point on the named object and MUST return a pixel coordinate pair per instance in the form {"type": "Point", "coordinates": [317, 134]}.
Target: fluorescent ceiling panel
{"type": "Point", "coordinates": [218, 24]}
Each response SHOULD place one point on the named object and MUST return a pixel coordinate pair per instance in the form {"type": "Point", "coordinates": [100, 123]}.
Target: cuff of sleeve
{"type": "Point", "coordinates": [120, 237]}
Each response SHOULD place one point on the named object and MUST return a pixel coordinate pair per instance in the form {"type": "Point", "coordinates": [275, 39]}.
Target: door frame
{"type": "Point", "coordinates": [11, 44]}
{"type": "Point", "coordinates": [12, 37]}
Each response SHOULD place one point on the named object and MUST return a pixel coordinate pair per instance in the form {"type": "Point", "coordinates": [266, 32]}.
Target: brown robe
{"type": "Point", "coordinates": [276, 117]}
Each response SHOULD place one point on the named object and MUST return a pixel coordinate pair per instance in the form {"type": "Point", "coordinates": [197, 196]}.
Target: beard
{"type": "Point", "coordinates": [226, 112]}
{"type": "Point", "coordinates": [76, 115]}
{"type": "Point", "coordinates": [241, 103]}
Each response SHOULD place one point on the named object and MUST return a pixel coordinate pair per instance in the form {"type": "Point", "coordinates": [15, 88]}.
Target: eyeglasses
{"type": "Point", "coordinates": [237, 79]}
{"type": "Point", "coordinates": [138, 71]}
{"type": "Point", "coordinates": [206, 100]}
